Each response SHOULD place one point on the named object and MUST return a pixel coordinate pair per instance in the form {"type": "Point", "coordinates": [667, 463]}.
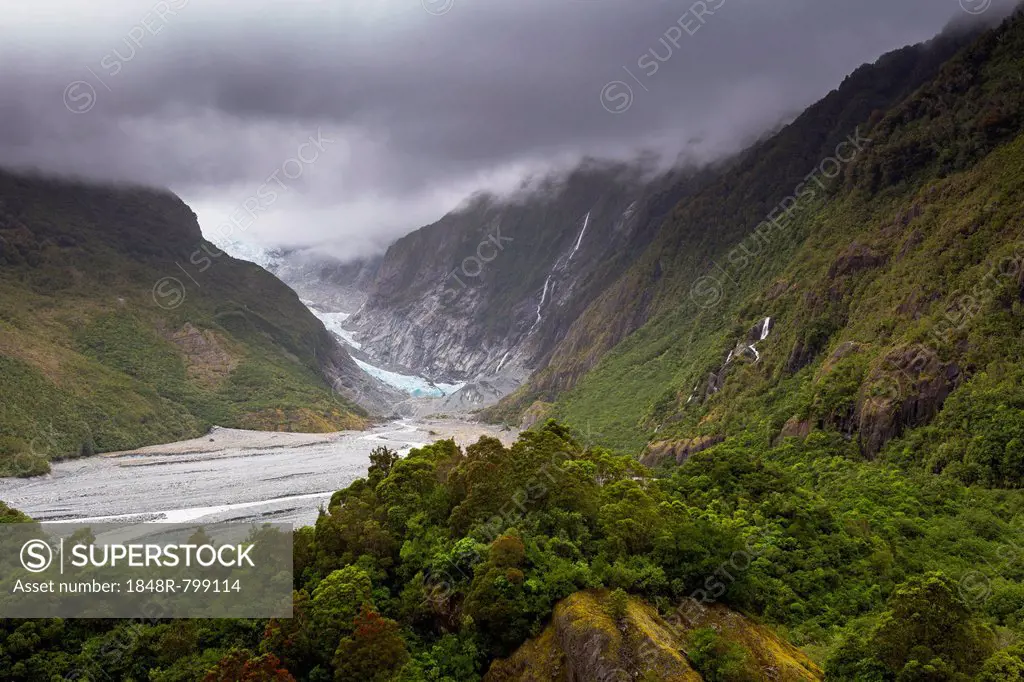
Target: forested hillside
{"type": "Point", "coordinates": [887, 289]}
{"type": "Point", "coordinates": [715, 223]}
{"type": "Point", "coordinates": [106, 344]}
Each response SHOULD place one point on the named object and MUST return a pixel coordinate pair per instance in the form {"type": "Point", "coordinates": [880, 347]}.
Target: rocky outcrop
{"type": "Point", "coordinates": [915, 239]}
{"type": "Point", "coordinates": [714, 383]}
{"type": "Point", "coordinates": [680, 450]}
{"type": "Point", "coordinates": [587, 641]}
{"type": "Point", "coordinates": [854, 259]}
{"type": "Point", "coordinates": [795, 428]}
{"type": "Point", "coordinates": [207, 360]}
{"type": "Point", "coordinates": [801, 355]}
{"type": "Point", "coordinates": [813, 339]}
{"type": "Point", "coordinates": [584, 643]}
{"type": "Point", "coordinates": [907, 389]}
{"type": "Point", "coordinates": [772, 657]}
{"type": "Point", "coordinates": [844, 350]}
{"type": "Point", "coordinates": [915, 305]}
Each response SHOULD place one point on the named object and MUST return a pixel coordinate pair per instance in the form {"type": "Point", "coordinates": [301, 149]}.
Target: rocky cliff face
{"type": "Point", "coordinates": [484, 294]}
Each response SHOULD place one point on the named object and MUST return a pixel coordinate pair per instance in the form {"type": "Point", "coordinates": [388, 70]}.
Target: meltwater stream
{"type": "Point", "coordinates": [229, 474]}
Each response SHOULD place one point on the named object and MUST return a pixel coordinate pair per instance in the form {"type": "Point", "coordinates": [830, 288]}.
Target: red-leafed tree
{"type": "Point", "coordinates": [241, 666]}
{"type": "Point", "coordinates": [373, 652]}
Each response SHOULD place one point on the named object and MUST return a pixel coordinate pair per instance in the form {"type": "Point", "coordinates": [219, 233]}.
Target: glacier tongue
{"type": "Point", "coordinates": [415, 386]}
{"type": "Point", "coordinates": [333, 323]}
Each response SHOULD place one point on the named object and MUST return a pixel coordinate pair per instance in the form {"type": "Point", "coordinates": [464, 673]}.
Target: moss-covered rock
{"type": "Point", "coordinates": [586, 642]}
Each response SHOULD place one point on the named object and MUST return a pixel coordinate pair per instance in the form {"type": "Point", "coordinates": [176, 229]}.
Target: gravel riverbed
{"type": "Point", "coordinates": [229, 474]}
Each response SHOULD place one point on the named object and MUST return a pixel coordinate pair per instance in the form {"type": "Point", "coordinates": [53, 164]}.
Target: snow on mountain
{"type": "Point", "coordinates": [267, 259]}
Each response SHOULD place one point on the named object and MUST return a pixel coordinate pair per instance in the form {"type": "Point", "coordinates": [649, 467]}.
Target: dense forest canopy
{"type": "Point", "coordinates": [440, 562]}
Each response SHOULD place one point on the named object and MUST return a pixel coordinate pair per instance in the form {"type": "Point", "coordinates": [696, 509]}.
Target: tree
{"type": "Point", "coordinates": [291, 638]}
{"type": "Point", "coordinates": [373, 652]}
{"type": "Point", "coordinates": [928, 630]}
{"type": "Point", "coordinates": [12, 515]}
{"type": "Point", "coordinates": [618, 601]}
{"type": "Point", "coordinates": [1004, 666]}
{"type": "Point", "coordinates": [497, 600]}
{"type": "Point", "coordinates": [717, 659]}
{"type": "Point", "coordinates": [336, 601]}
{"type": "Point", "coordinates": [239, 665]}
{"type": "Point", "coordinates": [382, 458]}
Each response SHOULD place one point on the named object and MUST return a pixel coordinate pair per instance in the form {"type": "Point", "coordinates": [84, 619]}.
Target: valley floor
{"type": "Point", "coordinates": [229, 474]}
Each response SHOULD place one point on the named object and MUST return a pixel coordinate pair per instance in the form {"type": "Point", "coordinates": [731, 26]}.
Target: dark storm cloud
{"type": "Point", "coordinates": [422, 102]}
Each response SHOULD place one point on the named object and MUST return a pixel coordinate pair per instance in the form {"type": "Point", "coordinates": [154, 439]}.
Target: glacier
{"type": "Point", "coordinates": [418, 387]}
{"type": "Point", "coordinates": [333, 323]}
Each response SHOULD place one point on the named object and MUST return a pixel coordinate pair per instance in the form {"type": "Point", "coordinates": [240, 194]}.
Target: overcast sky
{"type": "Point", "coordinates": [411, 104]}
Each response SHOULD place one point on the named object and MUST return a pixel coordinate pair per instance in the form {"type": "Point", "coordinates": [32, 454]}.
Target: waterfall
{"type": "Point", "coordinates": [543, 297]}
{"type": "Point", "coordinates": [555, 267]}
{"type": "Point", "coordinates": [502, 362]}
{"type": "Point", "coordinates": [579, 240]}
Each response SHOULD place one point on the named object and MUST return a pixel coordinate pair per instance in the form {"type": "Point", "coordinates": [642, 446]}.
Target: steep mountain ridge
{"type": "Point", "coordinates": [891, 291]}
{"type": "Point", "coordinates": [538, 287]}
{"type": "Point", "coordinates": [703, 227]}
{"type": "Point", "coordinates": [487, 291]}
{"type": "Point", "coordinates": [106, 343]}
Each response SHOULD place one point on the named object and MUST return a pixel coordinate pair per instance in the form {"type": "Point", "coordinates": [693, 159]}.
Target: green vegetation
{"type": "Point", "coordinates": [852, 484]}
{"type": "Point", "coordinates": [438, 563]}
{"type": "Point", "coordinates": [896, 296]}
{"type": "Point", "coordinates": [89, 362]}
{"type": "Point", "coordinates": [706, 252]}
{"type": "Point", "coordinates": [717, 659]}
{"type": "Point", "coordinates": [928, 632]}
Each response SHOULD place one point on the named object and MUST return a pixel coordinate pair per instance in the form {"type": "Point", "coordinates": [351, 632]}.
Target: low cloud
{"type": "Point", "coordinates": [424, 101]}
